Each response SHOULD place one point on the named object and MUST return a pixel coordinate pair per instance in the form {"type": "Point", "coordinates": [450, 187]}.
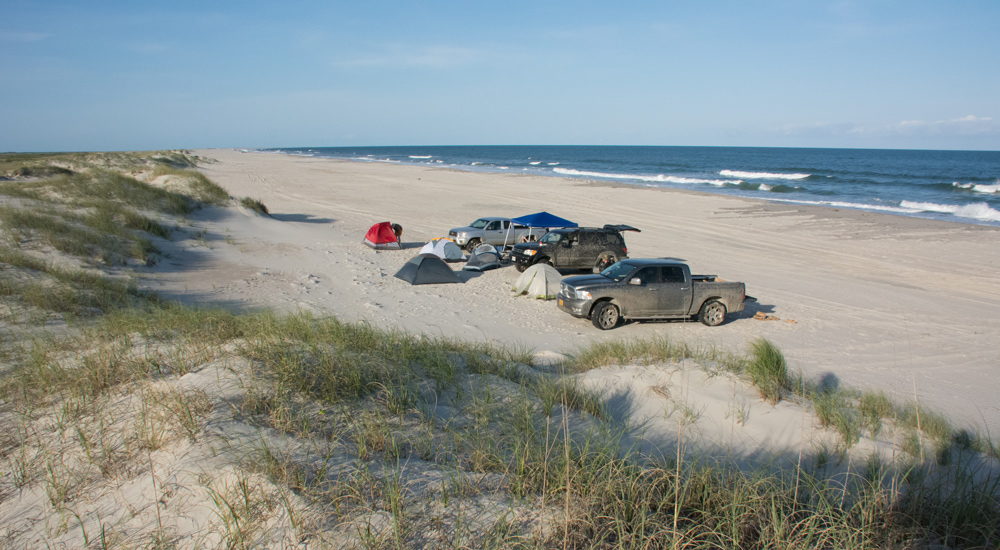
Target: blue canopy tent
{"type": "Point", "coordinates": [544, 219]}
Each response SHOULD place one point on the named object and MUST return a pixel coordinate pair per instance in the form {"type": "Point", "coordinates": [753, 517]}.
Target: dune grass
{"type": "Point", "coordinates": [767, 370]}
{"type": "Point", "coordinates": [849, 412]}
{"type": "Point", "coordinates": [379, 390]}
{"type": "Point", "coordinates": [200, 187]}
{"type": "Point", "coordinates": [254, 205]}
{"type": "Point", "coordinates": [376, 387]}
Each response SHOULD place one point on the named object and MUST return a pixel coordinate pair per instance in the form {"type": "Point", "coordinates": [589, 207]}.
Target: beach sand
{"type": "Point", "coordinates": [852, 299]}
{"type": "Point", "coordinates": [863, 300]}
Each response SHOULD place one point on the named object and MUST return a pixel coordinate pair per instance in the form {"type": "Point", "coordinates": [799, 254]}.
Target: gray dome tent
{"type": "Point", "coordinates": [539, 281]}
{"type": "Point", "coordinates": [483, 258]}
{"type": "Point", "coordinates": [444, 248]}
{"type": "Point", "coordinates": [426, 269]}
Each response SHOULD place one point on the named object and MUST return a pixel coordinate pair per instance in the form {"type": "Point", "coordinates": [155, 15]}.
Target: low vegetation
{"type": "Point", "coordinates": [312, 431]}
{"type": "Point", "coordinates": [254, 205]}
{"type": "Point", "coordinates": [767, 370]}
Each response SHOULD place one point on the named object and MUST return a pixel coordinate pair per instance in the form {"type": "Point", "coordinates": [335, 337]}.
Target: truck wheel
{"type": "Point", "coordinates": [604, 260]}
{"type": "Point", "coordinates": [605, 316]}
{"type": "Point", "coordinates": [520, 267]}
{"type": "Point", "coordinates": [472, 244]}
{"type": "Point", "coordinates": [713, 313]}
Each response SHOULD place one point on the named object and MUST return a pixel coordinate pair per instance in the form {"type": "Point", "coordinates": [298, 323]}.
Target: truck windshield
{"type": "Point", "coordinates": [479, 224]}
{"type": "Point", "coordinates": [551, 238]}
{"type": "Point", "coordinates": [619, 271]}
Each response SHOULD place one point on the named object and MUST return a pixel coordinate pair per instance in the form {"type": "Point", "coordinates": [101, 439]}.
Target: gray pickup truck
{"type": "Point", "coordinates": [649, 289]}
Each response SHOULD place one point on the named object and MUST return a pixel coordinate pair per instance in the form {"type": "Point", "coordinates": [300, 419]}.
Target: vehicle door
{"type": "Point", "coordinates": [640, 293]}
{"type": "Point", "coordinates": [583, 252]}
{"type": "Point", "coordinates": [493, 233]}
{"type": "Point", "coordinates": [674, 291]}
{"type": "Point", "coordinates": [564, 251]}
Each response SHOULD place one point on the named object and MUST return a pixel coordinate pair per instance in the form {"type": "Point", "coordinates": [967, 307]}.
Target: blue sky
{"type": "Point", "coordinates": [127, 75]}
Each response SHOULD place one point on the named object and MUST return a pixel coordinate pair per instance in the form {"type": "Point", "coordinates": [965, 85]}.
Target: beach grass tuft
{"type": "Point", "coordinates": [254, 205]}
{"type": "Point", "coordinates": [767, 370]}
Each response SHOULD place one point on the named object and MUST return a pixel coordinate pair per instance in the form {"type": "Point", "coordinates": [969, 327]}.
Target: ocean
{"type": "Point", "coordinates": [957, 186]}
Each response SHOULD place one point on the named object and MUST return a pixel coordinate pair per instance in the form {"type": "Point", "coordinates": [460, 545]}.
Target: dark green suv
{"type": "Point", "coordinates": [577, 248]}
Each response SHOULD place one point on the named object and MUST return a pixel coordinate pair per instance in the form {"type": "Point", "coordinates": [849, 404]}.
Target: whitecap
{"type": "Point", "coordinates": [761, 175]}
{"type": "Point", "coordinates": [842, 204]}
{"type": "Point", "coordinates": [978, 187]}
{"type": "Point", "coordinates": [976, 210]}
{"type": "Point", "coordinates": [535, 162]}
{"type": "Point", "coordinates": [764, 187]}
{"type": "Point", "coordinates": [659, 178]}
{"type": "Point", "coordinates": [421, 157]}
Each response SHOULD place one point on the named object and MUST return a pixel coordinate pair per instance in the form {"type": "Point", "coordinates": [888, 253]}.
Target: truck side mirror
{"type": "Point", "coordinates": [635, 281]}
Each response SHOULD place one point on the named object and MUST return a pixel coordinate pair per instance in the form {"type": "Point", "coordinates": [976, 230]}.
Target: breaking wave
{"type": "Point", "coordinates": [659, 178]}
{"type": "Point", "coordinates": [421, 157]}
{"type": "Point", "coordinates": [976, 210]}
{"type": "Point", "coordinates": [761, 175]}
{"type": "Point", "coordinates": [843, 204]}
{"type": "Point", "coordinates": [977, 187]}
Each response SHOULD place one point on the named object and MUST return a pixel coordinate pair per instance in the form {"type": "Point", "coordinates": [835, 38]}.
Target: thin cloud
{"type": "Point", "coordinates": [968, 124]}
{"type": "Point", "coordinates": [437, 57]}
{"type": "Point", "coordinates": [964, 125]}
{"type": "Point", "coordinates": [23, 36]}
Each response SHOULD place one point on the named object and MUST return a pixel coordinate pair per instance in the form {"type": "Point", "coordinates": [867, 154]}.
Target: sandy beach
{"type": "Point", "coordinates": [159, 425]}
{"type": "Point", "coordinates": [862, 300]}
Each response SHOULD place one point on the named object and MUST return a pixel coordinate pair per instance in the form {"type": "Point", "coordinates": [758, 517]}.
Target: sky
{"type": "Point", "coordinates": [98, 76]}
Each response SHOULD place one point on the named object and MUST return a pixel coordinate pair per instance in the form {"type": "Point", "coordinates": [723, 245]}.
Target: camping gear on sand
{"type": "Point", "coordinates": [483, 258]}
{"type": "Point", "coordinates": [382, 237]}
{"type": "Point", "coordinates": [426, 269]}
{"type": "Point", "coordinates": [444, 248]}
{"type": "Point", "coordinates": [539, 281]}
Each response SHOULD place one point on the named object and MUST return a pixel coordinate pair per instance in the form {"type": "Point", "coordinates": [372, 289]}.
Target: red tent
{"type": "Point", "coordinates": [381, 237]}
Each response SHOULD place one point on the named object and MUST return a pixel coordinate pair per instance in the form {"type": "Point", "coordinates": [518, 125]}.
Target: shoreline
{"type": "Point", "coordinates": [867, 300]}
{"type": "Point", "coordinates": [975, 208]}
